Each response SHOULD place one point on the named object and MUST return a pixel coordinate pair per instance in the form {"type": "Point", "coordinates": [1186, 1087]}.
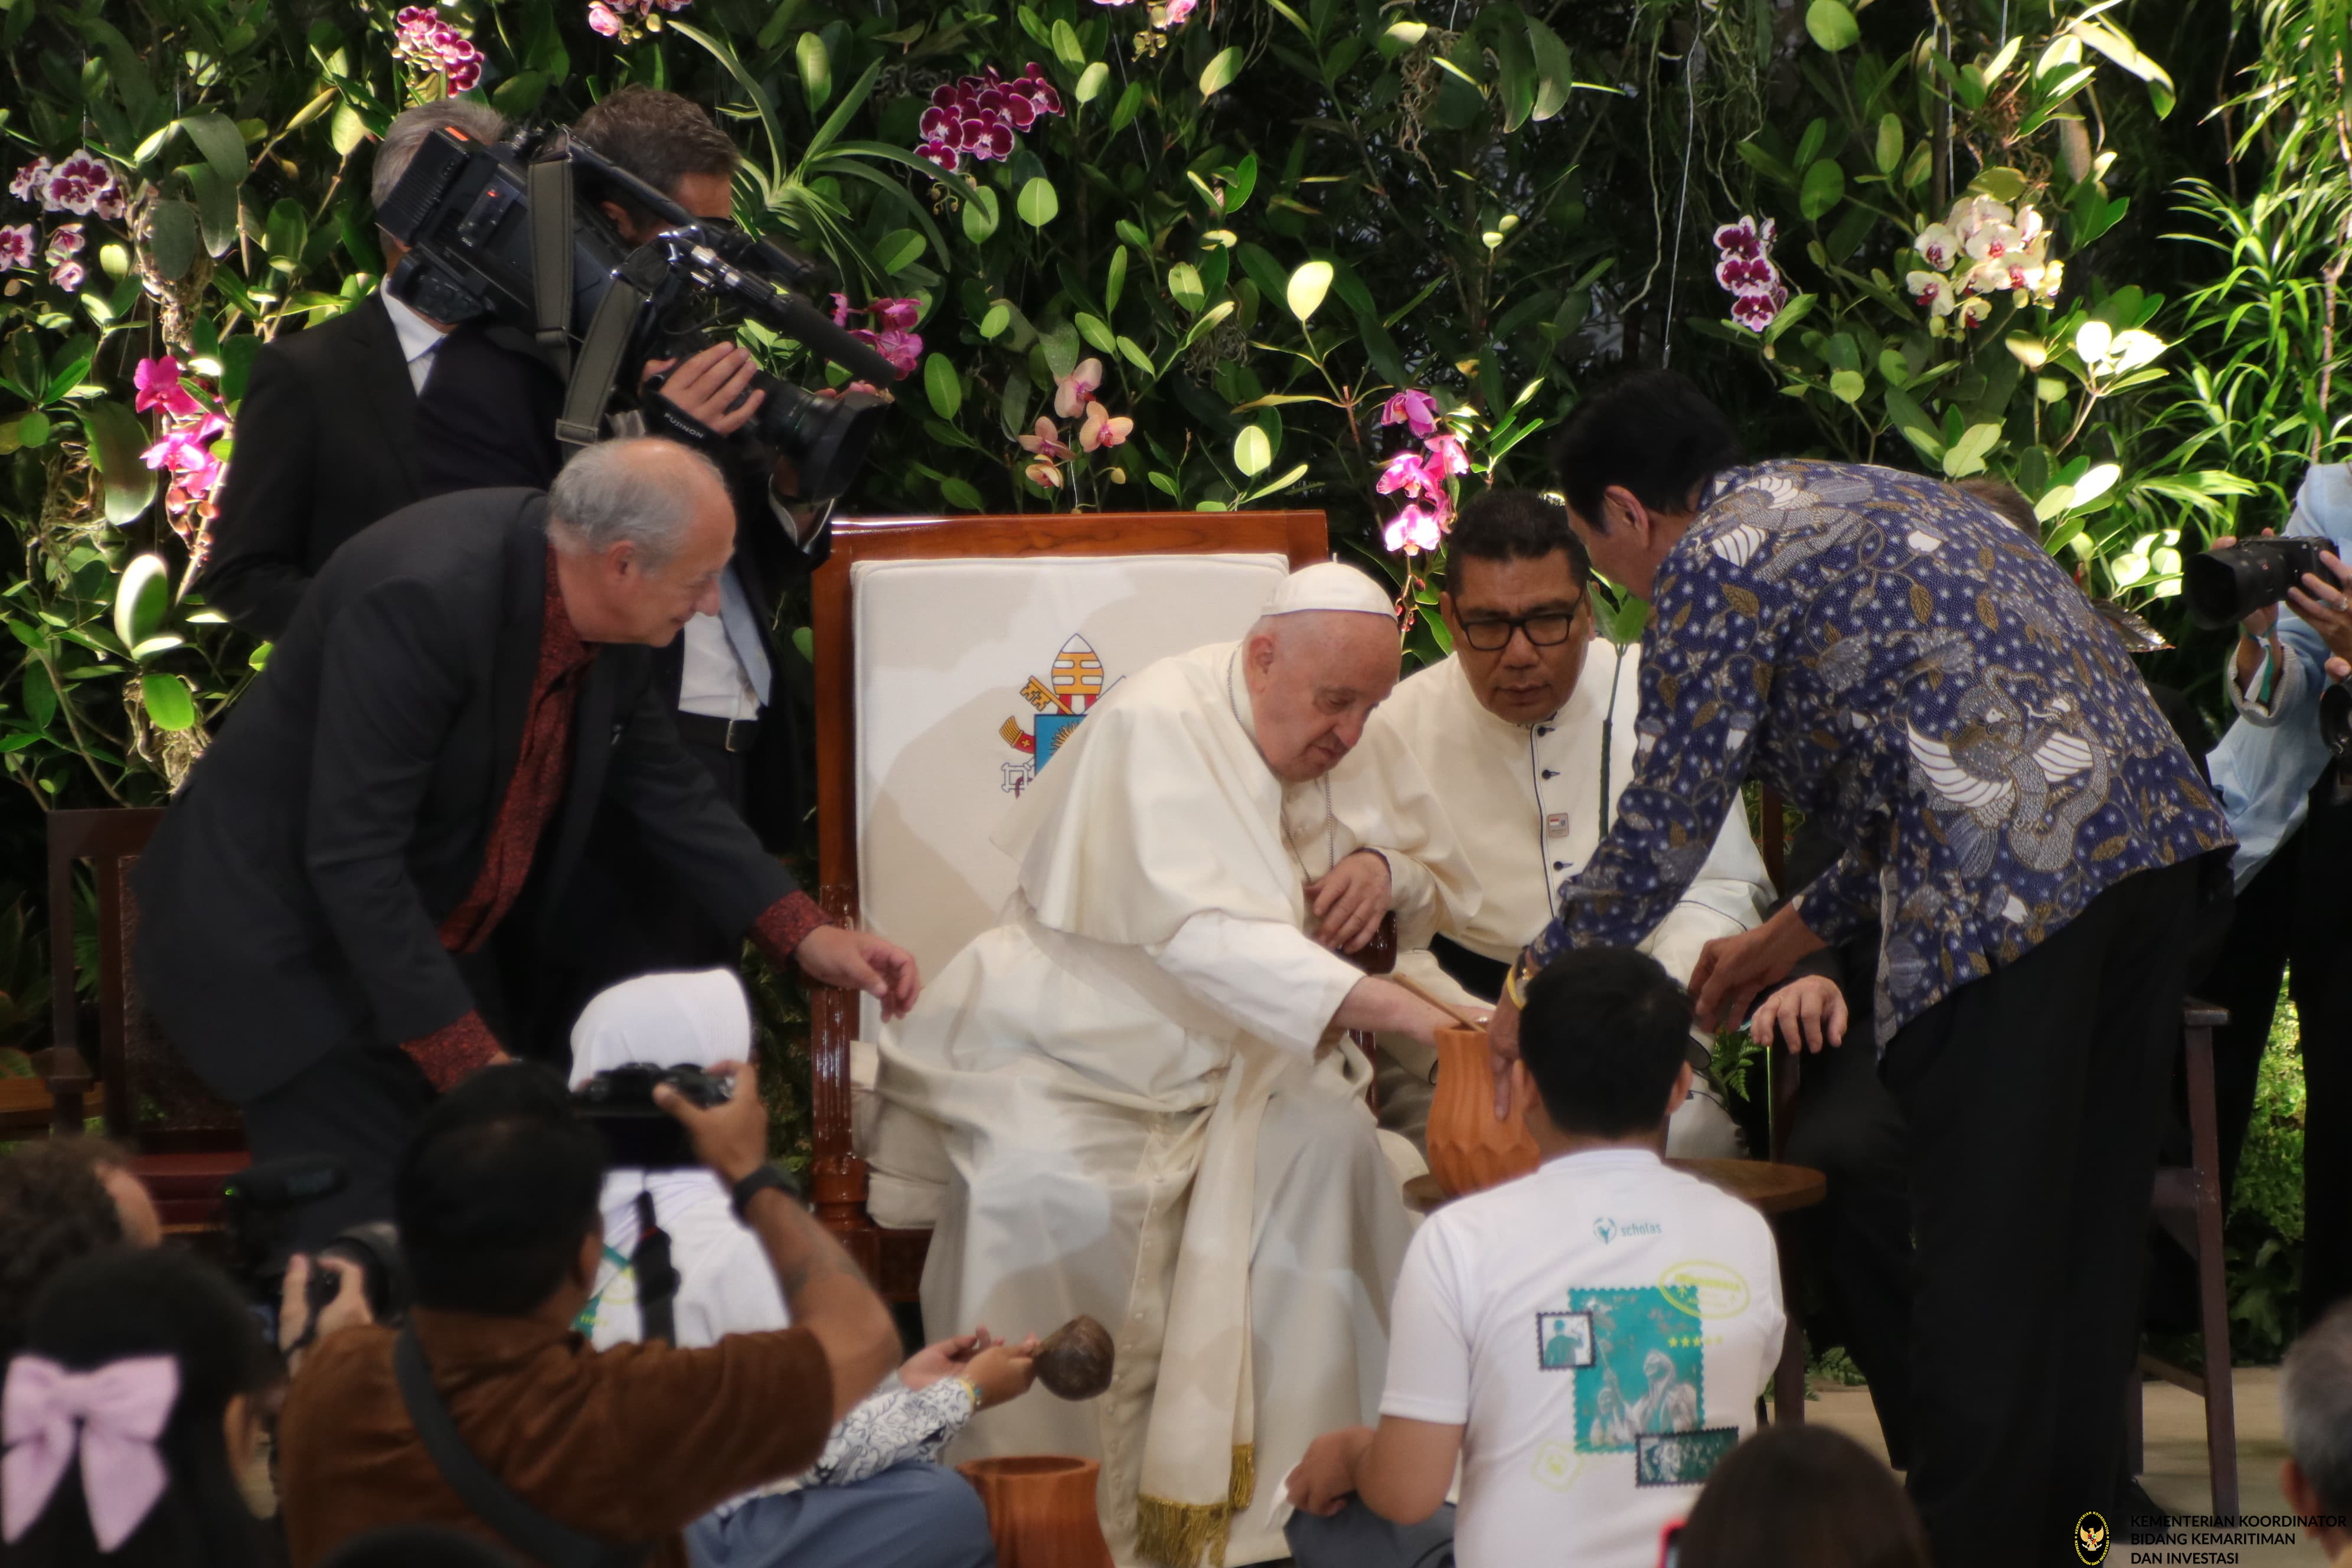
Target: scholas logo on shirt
{"type": "Point", "coordinates": [1609, 1228]}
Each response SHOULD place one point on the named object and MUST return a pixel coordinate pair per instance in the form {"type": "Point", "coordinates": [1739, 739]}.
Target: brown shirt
{"type": "Point", "coordinates": [628, 1444]}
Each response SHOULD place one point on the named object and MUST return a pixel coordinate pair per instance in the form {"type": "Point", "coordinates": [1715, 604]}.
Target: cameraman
{"type": "Point", "coordinates": [2278, 782]}
{"type": "Point", "coordinates": [490, 420]}
{"type": "Point", "coordinates": [497, 1198]}
{"type": "Point", "coordinates": [325, 437]}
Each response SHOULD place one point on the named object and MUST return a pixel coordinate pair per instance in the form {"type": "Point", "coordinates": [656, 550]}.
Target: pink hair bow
{"type": "Point", "coordinates": [116, 1411]}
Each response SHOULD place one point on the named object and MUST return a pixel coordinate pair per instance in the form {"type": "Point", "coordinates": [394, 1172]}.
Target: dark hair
{"type": "Point", "coordinates": [131, 1301]}
{"type": "Point", "coordinates": [1652, 431]}
{"type": "Point", "coordinates": [416, 1546]}
{"type": "Point", "coordinates": [1802, 1497]}
{"type": "Point", "coordinates": [658, 136]}
{"type": "Point", "coordinates": [1517, 525]}
{"type": "Point", "coordinates": [1605, 1032]}
{"type": "Point", "coordinates": [496, 1193]}
{"type": "Point", "coordinates": [53, 1209]}
{"type": "Point", "coordinates": [2007, 499]}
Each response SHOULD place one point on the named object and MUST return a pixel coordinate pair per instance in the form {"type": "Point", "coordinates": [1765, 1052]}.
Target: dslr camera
{"type": "Point", "coordinates": [510, 233]}
{"type": "Point", "coordinates": [2224, 586]}
{"type": "Point", "coordinates": [639, 1134]}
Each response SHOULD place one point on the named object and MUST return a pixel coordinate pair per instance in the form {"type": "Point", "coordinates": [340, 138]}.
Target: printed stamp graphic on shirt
{"type": "Point", "coordinates": [1563, 1340]}
{"type": "Point", "coordinates": [1721, 1290]}
{"type": "Point", "coordinates": [1681, 1459]}
{"type": "Point", "coordinates": [1649, 1366]}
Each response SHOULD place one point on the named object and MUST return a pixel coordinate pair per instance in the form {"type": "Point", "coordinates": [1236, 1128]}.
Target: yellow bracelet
{"type": "Point", "coordinates": [1511, 988]}
{"type": "Point", "coordinates": [977, 1402]}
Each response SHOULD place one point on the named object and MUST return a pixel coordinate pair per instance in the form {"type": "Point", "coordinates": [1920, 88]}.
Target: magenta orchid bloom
{"type": "Point", "coordinates": [1405, 472]}
{"type": "Point", "coordinates": [1415, 531]}
{"type": "Point", "coordinates": [75, 184]}
{"type": "Point", "coordinates": [1072, 392]}
{"type": "Point", "coordinates": [65, 240]}
{"type": "Point", "coordinates": [182, 450]}
{"type": "Point", "coordinates": [1101, 430]}
{"type": "Point", "coordinates": [1414, 409]}
{"type": "Point", "coordinates": [158, 381]}
{"type": "Point", "coordinates": [1446, 456]}
{"type": "Point", "coordinates": [898, 315]}
{"type": "Point", "coordinates": [601, 17]}
{"type": "Point", "coordinates": [976, 116]}
{"type": "Point", "coordinates": [30, 181]}
{"type": "Point", "coordinates": [67, 274]}
{"type": "Point", "coordinates": [1178, 11]}
{"type": "Point", "coordinates": [17, 243]}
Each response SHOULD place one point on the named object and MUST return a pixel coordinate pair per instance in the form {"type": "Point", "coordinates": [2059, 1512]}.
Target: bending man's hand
{"type": "Point", "coordinates": [860, 961]}
{"type": "Point", "coordinates": [1349, 900]}
{"type": "Point", "coordinates": [1732, 969]}
{"type": "Point", "coordinates": [1809, 1012]}
{"type": "Point", "coordinates": [1326, 1476]}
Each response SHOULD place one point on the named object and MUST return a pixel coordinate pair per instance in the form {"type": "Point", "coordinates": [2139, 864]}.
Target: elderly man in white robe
{"type": "Point", "coordinates": [1147, 1109]}
{"type": "Point", "coordinates": [1526, 733]}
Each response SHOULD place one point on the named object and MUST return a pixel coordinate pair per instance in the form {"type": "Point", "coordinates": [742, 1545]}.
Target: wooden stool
{"type": "Point", "coordinates": [1041, 1510]}
{"type": "Point", "coordinates": [1766, 1185]}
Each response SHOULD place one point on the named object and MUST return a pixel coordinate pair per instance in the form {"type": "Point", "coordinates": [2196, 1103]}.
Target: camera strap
{"type": "Point", "coordinates": [518, 1523]}
{"type": "Point", "coordinates": [657, 1281]}
{"type": "Point", "coordinates": [551, 258]}
{"type": "Point", "coordinates": [598, 366]}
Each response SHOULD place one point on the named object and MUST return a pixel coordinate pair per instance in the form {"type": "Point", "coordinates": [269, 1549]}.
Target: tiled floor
{"type": "Point", "coordinates": [2176, 1475]}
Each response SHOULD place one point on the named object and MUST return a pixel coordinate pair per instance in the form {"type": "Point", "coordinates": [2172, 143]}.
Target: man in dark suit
{"type": "Point", "coordinates": [489, 419]}
{"type": "Point", "coordinates": [338, 905]}
{"type": "Point", "coordinates": [325, 434]}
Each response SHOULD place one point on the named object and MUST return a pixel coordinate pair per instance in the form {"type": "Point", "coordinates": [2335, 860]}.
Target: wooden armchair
{"type": "Point", "coordinates": [1028, 619]}
{"type": "Point", "coordinates": [185, 1141]}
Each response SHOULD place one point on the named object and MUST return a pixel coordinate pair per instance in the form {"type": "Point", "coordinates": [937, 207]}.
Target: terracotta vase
{"type": "Point", "coordinates": [1468, 1149]}
{"type": "Point", "coordinates": [1041, 1510]}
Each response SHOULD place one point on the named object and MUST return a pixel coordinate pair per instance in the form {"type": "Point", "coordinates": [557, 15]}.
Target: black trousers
{"type": "Point", "coordinates": [2035, 1097]}
{"type": "Point", "coordinates": [356, 1106]}
{"type": "Point", "coordinates": [2295, 916]}
{"type": "Point", "coordinates": [1856, 1242]}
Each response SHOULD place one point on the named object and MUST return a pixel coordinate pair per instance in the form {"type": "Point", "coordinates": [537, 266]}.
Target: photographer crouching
{"type": "Point", "coordinates": [2281, 771]}
{"type": "Point", "coordinates": [489, 418]}
{"type": "Point", "coordinates": [340, 901]}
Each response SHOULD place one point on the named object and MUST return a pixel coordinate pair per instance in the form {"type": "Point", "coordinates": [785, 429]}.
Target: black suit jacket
{"type": "Point", "coordinates": [488, 418]}
{"type": "Point", "coordinates": [290, 901]}
{"type": "Point", "coordinates": [324, 447]}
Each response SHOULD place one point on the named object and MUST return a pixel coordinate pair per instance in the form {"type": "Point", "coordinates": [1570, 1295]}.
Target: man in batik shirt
{"type": "Point", "coordinates": [1904, 665]}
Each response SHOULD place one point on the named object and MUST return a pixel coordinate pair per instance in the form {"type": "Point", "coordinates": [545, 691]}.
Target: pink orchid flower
{"type": "Point", "coordinates": [17, 243]}
{"type": "Point", "coordinates": [30, 179]}
{"type": "Point", "coordinates": [67, 274]}
{"type": "Point", "coordinates": [1414, 409]}
{"type": "Point", "coordinates": [1414, 530]}
{"type": "Point", "coordinates": [1072, 392]}
{"type": "Point", "coordinates": [903, 350]}
{"type": "Point", "coordinates": [1046, 442]}
{"type": "Point", "coordinates": [1446, 457]}
{"type": "Point", "coordinates": [158, 381]}
{"type": "Point", "coordinates": [1101, 430]}
{"type": "Point", "coordinates": [1177, 11]}
{"type": "Point", "coordinates": [1042, 473]}
{"type": "Point", "coordinates": [898, 315]}
{"type": "Point", "coordinates": [65, 240]}
{"type": "Point", "coordinates": [1405, 472]}
{"type": "Point", "coordinates": [601, 17]}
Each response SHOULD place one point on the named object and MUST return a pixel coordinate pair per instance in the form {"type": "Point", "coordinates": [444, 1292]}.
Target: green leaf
{"type": "Point", "coordinates": [287, 233]}
{"type": "Point", "coordinates": [141, 598]}
{"type": "Point", "coordinates": [32, 428]}
{"type": "Point", "coordinates": [40, 697]}
{"type": "Point", "coordinates": [1067, 47]}
{"type": "Point", "coordinates": [1251, 450]}
{"type": "Point", "coordinates": [816, 69]}
{"type": "Point", "coordinates": [1037, 203]}
{"type": "Point", "coordinates": [942, 385]}
{"type": "Point", "coordinates": [216, 207]}
{"type": "Point", "coordinates": [218, 138]}
{"type": "Point", "coordinates": [174, 237]}
{"type": "Point", "coordinates": [116, 440]}
{"type": "Point", "coordinates": [999, 317]}
{"type": "Point", "coordinates": [1824, 186]}
{"type": "Point", "coordinates": [1889, 151]}
{"type": "Point", "coordinates": [1555, 72]}
{"type": "Point", "coordinates": [1116, 283]}
{"type": "Point", "coordinates": [1795, 310]}
{"type": "Point", "coordinates": [897, 250]}
{"type": "Point", "coordinates": [1288, 479]}
{"type": "Point", "coordinates": [1096, 331]}
{"type": "Point", "coordinates": [1847, 385]}
{"type": "Point", "coordinates": [346, 130]}
{"type": "Point", "coordinates": [957, 493]}
{"type": "Point", "coordinates": [1185, 287]}
{"type": "Point", "coordinates": [1831, 26]}
{"type": "Point", "coordinates": [1132, 352]}
{"type": "Point", "coordinates": [520, 94]}
{"type": "Point", "coordinates": [980, 214]}
{"type": "Point", "coordinates": [1999, 182]}
{"type": "Point", "coordinates": [169, 705]}
{"type": "Point", "coordinates": [1219, 73]}
{"type": "Point", "coordinates": [1128, 103]}
{"type": "Point", "coordinates": [1091, 82]}
{"type": "Point", "coordinates": [1307, 286]}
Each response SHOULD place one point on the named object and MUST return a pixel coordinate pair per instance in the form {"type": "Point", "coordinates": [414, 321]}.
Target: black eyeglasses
{"type": "Point", "coordinates": [1548, 629]}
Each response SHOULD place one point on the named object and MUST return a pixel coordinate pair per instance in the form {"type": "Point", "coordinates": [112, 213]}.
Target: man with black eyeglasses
{"type": "Point", "coordinates": [1526, 733]}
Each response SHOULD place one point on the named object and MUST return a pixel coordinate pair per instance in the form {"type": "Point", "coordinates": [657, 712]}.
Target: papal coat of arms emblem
{"type": "Point", "coordinates": [1072, 687]}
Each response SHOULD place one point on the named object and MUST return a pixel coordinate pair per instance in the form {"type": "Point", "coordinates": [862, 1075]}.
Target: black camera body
{"type": "Point", "coordinates": [384, 1272]}
{"type": "Point", "coordinates": [639, 1134]}
{"type": "Point", "coordinates": [2224, 586]}
{"type": "Point", "coordinates": [466, 212]}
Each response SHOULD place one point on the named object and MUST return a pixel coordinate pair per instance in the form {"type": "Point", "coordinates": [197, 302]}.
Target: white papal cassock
{"type": "Point", "coordinates": [1529, 803]}
{"type": "Point", "coordinates": [1126, 1101]}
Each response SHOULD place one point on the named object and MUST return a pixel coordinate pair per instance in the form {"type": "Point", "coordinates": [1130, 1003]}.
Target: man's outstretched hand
{"type": "Point", "coordinates": [860, 961]}
{"type": "Point", "coordinates": [1731, 970]}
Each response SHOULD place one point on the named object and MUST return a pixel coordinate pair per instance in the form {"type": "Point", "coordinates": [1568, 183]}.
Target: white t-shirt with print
{"type": "Point", "coordinates": [1601, 1328]}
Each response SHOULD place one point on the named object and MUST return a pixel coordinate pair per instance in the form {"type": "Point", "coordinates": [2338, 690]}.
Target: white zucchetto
{"type": "Point", "coordinates": [1330, 586]}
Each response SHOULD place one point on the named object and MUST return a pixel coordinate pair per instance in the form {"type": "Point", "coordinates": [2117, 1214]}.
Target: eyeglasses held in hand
{"type": "Point", "coordinates": [1547, 630]}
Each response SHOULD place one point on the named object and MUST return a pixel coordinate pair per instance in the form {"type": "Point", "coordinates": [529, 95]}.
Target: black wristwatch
{"type": "Point", "coordinates": [759, 1179]}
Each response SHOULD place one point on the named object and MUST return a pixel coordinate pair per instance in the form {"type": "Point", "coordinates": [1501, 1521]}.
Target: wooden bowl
{"type": "Point", "coordinates": [1469, 1149]}
{"type": "Point", "coordinates": [1041, 1510]}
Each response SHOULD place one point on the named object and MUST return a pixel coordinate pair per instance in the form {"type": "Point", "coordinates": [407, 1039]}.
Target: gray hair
{"type": "Point", "coordinates": [2315, 1399]}
{"type": "Point", "coordinates": [629, 491]}
{"type": "Point", "coordinates": [409, 128]}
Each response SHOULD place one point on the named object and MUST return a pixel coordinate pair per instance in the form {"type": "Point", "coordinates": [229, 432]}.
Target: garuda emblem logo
{"type": "Point", "coordinates": [2091, 1538]}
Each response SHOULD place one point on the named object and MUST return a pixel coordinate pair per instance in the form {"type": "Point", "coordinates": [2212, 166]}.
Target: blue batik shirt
{"type": "Point", "coordinates": [1903, 663]}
